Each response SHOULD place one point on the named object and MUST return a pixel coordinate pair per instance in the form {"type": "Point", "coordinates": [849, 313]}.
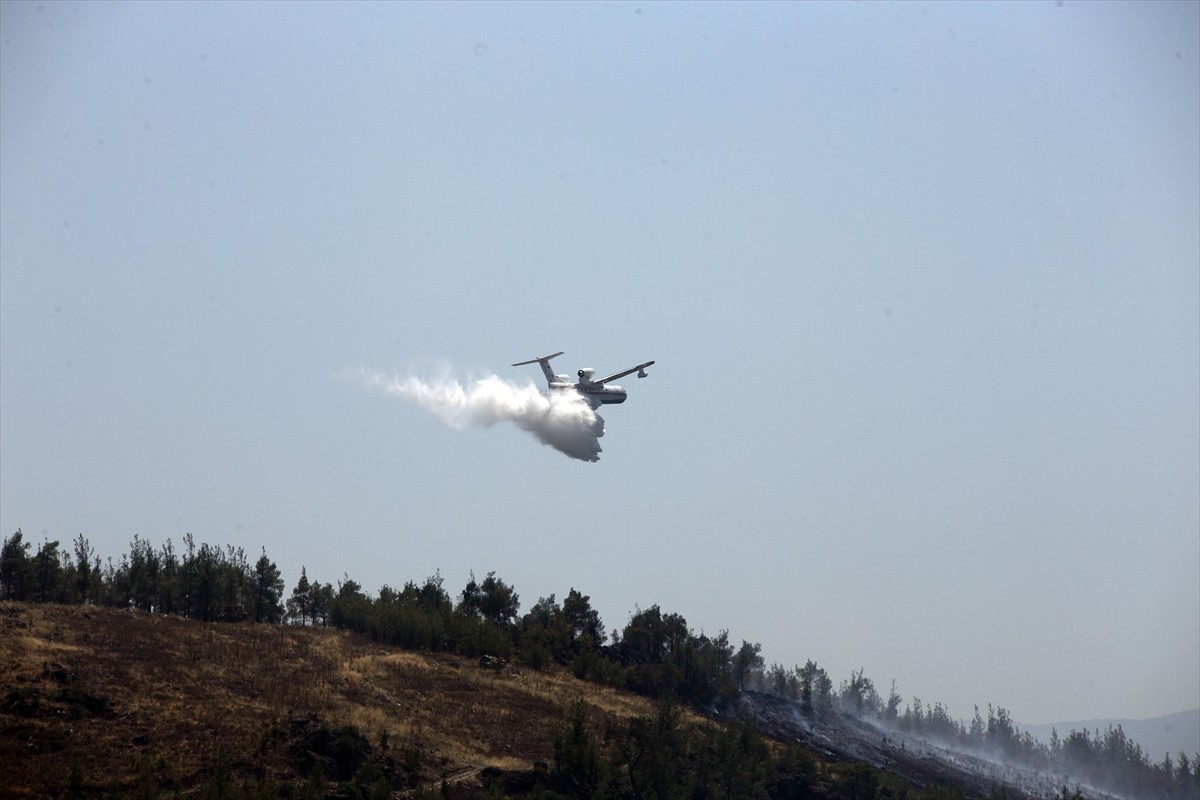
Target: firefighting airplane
{"type": "Point", "coordinates": [597, 392]}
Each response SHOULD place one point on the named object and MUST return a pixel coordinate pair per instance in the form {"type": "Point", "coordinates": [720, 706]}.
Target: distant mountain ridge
{"type": "Point", "coordinates": [1170, 733]}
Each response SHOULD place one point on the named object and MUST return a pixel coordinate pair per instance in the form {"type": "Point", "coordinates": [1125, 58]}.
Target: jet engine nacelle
{"type": "Point", "coordinates": [586, 374]}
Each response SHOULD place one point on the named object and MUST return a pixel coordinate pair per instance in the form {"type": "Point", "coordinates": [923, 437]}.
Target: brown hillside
{"type": "Point", "coordinates": [95, 699]}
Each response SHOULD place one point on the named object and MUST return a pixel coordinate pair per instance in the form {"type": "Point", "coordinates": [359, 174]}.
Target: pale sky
{"type": "Point", "coordinates": [922, 281]}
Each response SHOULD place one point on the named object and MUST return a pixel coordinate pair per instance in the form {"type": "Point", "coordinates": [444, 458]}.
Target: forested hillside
{"type": "Point", "coordinates": [655, 655]}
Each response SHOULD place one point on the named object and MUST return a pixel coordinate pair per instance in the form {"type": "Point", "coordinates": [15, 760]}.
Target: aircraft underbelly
{"type": "Point", "coordinates": [606, 396]}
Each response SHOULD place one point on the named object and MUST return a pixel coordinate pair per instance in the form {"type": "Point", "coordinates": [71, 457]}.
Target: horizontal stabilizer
{"type": "Point", "coordinates": [539, 360]}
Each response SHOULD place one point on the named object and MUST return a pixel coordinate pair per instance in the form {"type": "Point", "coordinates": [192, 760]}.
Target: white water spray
{"type": "Point", "coordinates": [564, 420]}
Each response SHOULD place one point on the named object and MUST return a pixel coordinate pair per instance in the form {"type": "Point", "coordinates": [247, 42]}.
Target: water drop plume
{"type": "Point", "coordinates": [562, 420]}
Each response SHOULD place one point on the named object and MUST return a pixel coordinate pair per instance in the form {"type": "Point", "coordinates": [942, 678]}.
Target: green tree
{"type": "Point", "coordinates": [233, 577]}
{"type": "Point", "coordinates": [815, 688]}
{"type": "Point", "coordinates": [471, 598]}
{"type": "Point", "coordinates": [578, 766]}
{"type": "Point", "coordinates": [350, 607]}
{"type": "Point", "coordinates": [822, 691]}
{"type": "Point", "coordinates": [977, 732]}
{"type": "Point", "coordinates": [142, 574]}
{"type": "Point", "coordinates": [782, 682]}
{"type": "Point", "coordinates": [714, 671]}
{"type": "Point", "coordinates": [545, 634]}
{"type": "Point", "coordinates": [106, 592]}
{"type": "Point", "coordinates": [587, 631]}
{"type": "Point", "coordinates": [205, 583]}
{"type": "Point", "coordinates": [322, 599]}
{"type": "Point", "coordinates": [299, 604]}
{"type": "Point", "coordinates": [431, 597]}
{"type": "Point", "coordinates": [858, 694]}
{"type": "Point", "coordinates": [1001, 735]}
{"type": "Point", "coordinates": [743, 762]}
{"type": "Point", "coordinates": [856, 780]}
{"type": "Point", "coordinates": [16, 570]}
{"type": "Point", "coordinates": [747, 663]}
{"type": "Point", "coordinates": [651, 637]}
{"type": "Point", "coordinates": [498, 601]}
{"type": "Point", "coordinates": [658, 651]}
{"type": "Point", "coordinates": [892, 711]}
{"type": "Point", "coordinates": [652, 752]}
{"type": "Point", "coordinates": [644, 639]}
{"type": "Point", "coordinates": [266, 587]}
{"type": "Point", "coordinates": [187, 577]}
{"type": "Point", "coordinates": [939, 724]}
{"type": "Point", "coordinates": [87, 571]}
{"type": "Point", "coordinates": [795, 774]}
{"type": "Point", "coordinates": [64, 591]}
{"type": "Point", "coordinates": [168, 596]}
{"type": "Point", "coordinates": [47, 571]}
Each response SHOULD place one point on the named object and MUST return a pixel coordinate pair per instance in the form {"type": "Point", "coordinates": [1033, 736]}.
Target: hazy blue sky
{"type": "Point", "coordinates": [922, 282]}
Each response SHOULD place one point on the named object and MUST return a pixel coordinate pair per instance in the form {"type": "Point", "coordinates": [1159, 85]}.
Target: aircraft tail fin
{"type": "Point", "coordinates": [544, 363]}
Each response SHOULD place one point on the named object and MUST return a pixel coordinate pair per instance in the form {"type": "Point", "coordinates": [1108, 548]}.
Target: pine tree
{"type": "Point", "coordinates": [300, 603]}
{"type": "Point", "coordinates": [15, 568]}
{"type": "Point", "coordinates": [46, 570]}
{"type": "Point", "coordinates": [267, 590]}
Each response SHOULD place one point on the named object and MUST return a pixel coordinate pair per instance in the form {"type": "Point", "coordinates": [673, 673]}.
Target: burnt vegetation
{"type": "Point", "coordinates": [193, 673]}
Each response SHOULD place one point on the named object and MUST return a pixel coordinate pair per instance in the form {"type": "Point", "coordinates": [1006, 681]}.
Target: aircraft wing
{"type": "Point", "coordinates": [638, 369]}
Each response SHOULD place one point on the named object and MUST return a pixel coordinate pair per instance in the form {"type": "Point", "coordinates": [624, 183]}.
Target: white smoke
{"type": "Point", "coordinates": [564, 420]}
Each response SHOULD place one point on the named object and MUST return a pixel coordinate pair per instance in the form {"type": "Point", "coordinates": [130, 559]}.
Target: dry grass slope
{"type": "Point", "coordinates": [112, 693]}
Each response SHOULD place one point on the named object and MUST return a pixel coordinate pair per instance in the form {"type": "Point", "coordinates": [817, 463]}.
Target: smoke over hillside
{"type": "Point", "coordinates": [923, 760]}
{"type": "Point", "coordinates": [564, 420]}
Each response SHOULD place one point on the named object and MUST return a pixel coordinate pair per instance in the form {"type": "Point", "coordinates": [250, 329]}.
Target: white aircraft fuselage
{"type": "Point", "coordinates": [595, 392]}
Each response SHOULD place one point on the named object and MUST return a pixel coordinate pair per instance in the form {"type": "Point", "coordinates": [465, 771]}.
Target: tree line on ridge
{"type": "Point", "coordinates": [655, 654]}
